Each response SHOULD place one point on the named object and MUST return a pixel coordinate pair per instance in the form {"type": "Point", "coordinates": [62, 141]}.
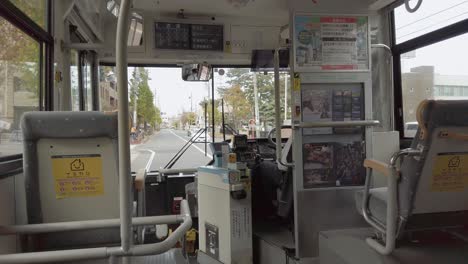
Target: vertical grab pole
{"type": "Point", "coordinates": [206, 122]}
{"type": "Point", "coordinates": [277, 107]}
{"type": "Point", "coordinates": [212, 106]}
{"type": "Point", "coordinates": [123, 128]}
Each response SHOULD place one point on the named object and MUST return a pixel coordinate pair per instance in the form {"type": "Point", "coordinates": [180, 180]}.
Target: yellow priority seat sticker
{"type": "Point", "coordinates": [78, 175]}
{"type": "Point", "coordinates": [450, 172]}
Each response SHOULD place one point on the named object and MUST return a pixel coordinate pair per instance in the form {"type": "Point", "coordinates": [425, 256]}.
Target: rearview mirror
{"type": "Point", "coordinates": [196, 72]}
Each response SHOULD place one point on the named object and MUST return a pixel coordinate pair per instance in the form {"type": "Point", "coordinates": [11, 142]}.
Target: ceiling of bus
{"type": "Point", "coordinates": [237, 8]}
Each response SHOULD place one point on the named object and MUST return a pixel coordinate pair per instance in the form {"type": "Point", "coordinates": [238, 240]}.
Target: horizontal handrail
{"type": "Point", "coordinates": [167, 172]}
{"type": "Point", "coordinates": [104, 252]}
{"type": "Point", "coordinates": [11, 157]}
{"type": "Point", "coordinates": [177, 171]}
{"type": "Point", "coordinates": [368, 123]}
{"type": "Point", "coordinates": [85, 225]}
{"type": "Point", "coordinates": [11, 167]}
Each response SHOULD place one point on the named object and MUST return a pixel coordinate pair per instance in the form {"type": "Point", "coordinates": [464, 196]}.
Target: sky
{"type": "Point", "coordinates": [449, 57]}
{"type": "Point", "coordinates": [173, 93]}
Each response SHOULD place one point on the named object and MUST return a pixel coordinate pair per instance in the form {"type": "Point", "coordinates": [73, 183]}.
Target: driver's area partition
{"type": "Point", "coordinates": [332, 121]}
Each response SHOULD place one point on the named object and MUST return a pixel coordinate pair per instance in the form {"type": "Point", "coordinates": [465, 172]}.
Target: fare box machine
{"type": "Point", "coordinates": [332, 120]}
{"type": "Point", "coordinates": [224, 210]}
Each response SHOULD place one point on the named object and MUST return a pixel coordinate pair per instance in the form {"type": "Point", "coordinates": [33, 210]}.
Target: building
{"type": "Point", "coordinates": [424, 83]}
{"type": "Point", "coordinates": [108, 96]}
{"type": "Point", "coordinates": [450, 86]}
{"type": "Point", "coordinates": [108, 91]}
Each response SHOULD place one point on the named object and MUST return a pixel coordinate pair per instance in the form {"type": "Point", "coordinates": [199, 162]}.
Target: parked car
{"type": "Point", "coordinates": [410, 129]}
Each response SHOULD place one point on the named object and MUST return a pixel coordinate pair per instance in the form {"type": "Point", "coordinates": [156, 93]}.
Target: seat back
{"type": "Point", "coordinates": [71, 169]}
{"type": "Point", "coordinates": [437, 181]}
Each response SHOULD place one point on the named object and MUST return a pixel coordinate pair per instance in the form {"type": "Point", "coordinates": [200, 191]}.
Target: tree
{"type": "Point", "coordinates": [158, 116]}
{"type": "Point", "coordinates": [188, 118]}
{"type": "Point", "coordinates": [217, 113]}
{"type": "Point", "coordinates": [244, 78]}
{"type": "Point", "coordinates": [238, 108]}
{"type": "Point", "coordinates": [140, 92]}
{"type": "Point", "coordinates": [20, 53]}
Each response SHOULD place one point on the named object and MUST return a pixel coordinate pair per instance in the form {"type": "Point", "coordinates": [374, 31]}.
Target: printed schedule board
{"type": "Point", "coordinates": [78, 175]}
{"type": "Point", "coordinates": [331, 43]}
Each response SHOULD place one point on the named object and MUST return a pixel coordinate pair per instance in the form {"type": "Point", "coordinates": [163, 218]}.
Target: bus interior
{"type": "Point", "coordinates": [233, 131]}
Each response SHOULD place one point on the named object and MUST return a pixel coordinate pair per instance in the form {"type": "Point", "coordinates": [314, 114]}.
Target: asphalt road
{"type": "Point", "coordinates": [162, 146]}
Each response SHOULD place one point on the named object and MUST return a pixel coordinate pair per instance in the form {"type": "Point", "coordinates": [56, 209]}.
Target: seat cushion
{"type": "Point", "coordinates": [377, 203]}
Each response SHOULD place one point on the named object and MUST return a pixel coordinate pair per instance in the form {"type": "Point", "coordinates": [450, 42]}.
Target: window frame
{"type": "Point", "coordinates": [87, 58]}
{"type": "Point", "coordinates": [17, 18]}
{"type": "Point", "coordinates": [24, 23]}
{"type": "Point", "coordinates": [436, 36]}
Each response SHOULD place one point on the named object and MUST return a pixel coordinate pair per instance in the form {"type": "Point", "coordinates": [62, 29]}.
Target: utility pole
{"type": "Point", "coordinates": [257, 113]}
{"type": "Point", "coordinates": [191, 102]}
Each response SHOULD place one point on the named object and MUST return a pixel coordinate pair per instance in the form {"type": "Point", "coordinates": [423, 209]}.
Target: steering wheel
{"type": "Point", "coordinates": [271, 141]}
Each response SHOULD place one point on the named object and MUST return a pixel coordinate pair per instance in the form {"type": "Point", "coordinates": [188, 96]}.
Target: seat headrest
{"type": "Point", "coordinates": [437, 113]}
{"type": "Point", "coordinates": [36, 125]}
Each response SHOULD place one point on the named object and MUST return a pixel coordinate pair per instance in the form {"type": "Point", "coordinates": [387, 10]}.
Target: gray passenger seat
{"type": "Point", "coordinates": [432, 188]}
{"type": "Point", "coordinates": [52, 139]}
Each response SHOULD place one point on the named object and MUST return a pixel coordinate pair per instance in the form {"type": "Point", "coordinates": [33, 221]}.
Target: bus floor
{"type": "Point", "coordinates": [173, 256]}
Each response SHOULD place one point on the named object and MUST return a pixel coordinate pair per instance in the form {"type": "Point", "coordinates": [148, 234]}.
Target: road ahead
{"type": "Point", "coordinates": [162, 146]}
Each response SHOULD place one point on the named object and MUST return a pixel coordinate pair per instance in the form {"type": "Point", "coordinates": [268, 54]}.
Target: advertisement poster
{"type": "Point", "coordinates": [330, 43]}
{"type": "Point", "coordinates": [316, 107]}
{"type": "Point", "coordinates": [318, 164]}
{"type": "Point", "coordinates": [332, 102]}
{"type": "Point", "coordinates": [349, 160]}
{"type": "Point", "coordinates": [347, 105]}
{"type": "Point", "coordinates": [333, 164]}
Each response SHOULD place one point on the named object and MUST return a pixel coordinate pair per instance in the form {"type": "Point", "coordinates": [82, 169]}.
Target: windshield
{"type": "Point", "coordinates": [249, 100]}
{"type": "Point", "coordinates": [168, 113]}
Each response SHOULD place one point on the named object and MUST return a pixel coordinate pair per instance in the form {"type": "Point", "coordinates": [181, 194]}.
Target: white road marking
{"type": "Point", "coordinates": [193, 145]}
{"type": "Point", "coordinates": [150, 160]}
{"type": "Point", "coordinates": [134, 155]}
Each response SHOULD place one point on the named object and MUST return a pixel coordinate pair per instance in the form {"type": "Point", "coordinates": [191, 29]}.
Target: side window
{"type": "Point", "coordinates": [87, 72]}
{"type": "Point", "coordinates": [432, 15]}
{"type": "Point", "coordinates": [431, 45]}
{"type": "Point", "coordinates": [433, 72]}
{"type": "Point", "coordinates": [19, 84]}
{"type": "Point", "coordinates": [74, 80]}
{"type": "Point", "coordinates": [81, 81]}
{"type": "Point", "coordinates": [135, 33]}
